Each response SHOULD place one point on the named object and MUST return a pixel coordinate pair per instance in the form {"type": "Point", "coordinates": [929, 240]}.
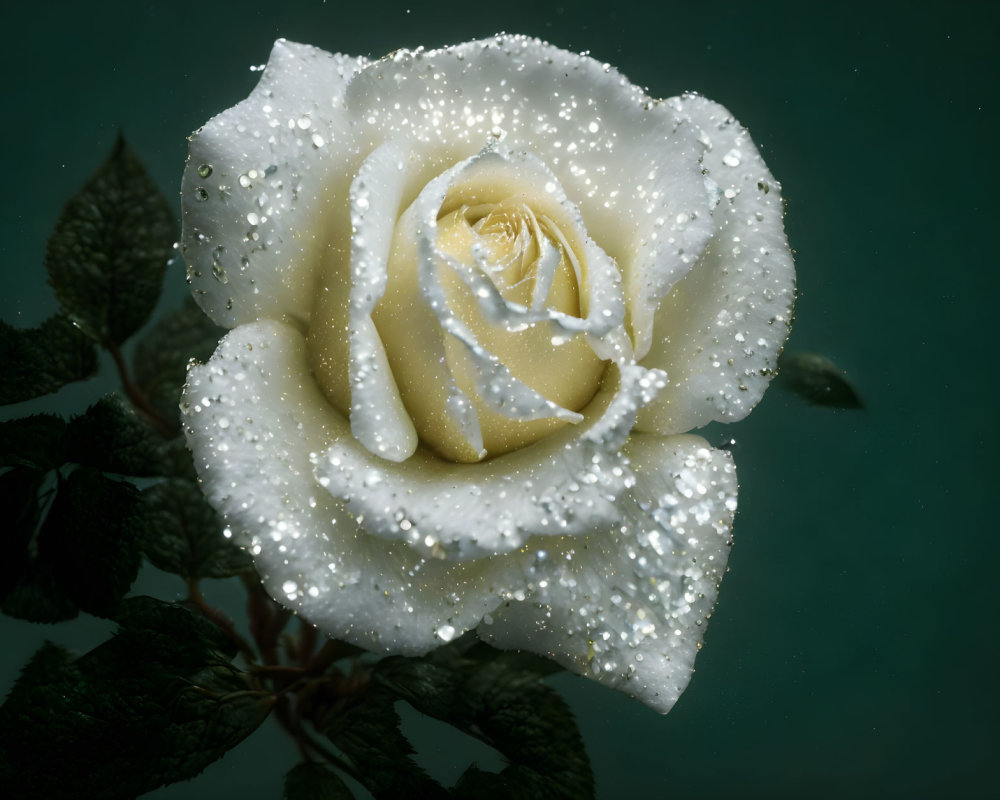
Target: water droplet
{"type": "Point", "coordinates": [200, 194]}
{"type": "Point", "coordinates": [732, 158]}
{"type": "Point", "coordinates": [445, 632]}
{"type": "Point", "coordinates": [204, 170]}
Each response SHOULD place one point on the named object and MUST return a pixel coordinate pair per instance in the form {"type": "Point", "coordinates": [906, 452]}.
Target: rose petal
{"type": "Point", "coordinates": [252, 424]}
{"type": "Point", "coordinates": [521, 174]}
{"type": "Point", "coordinates": [379, 419]}
{"type": "Point", "coordinates": [628, 606]}
{"type": "Point", "coordinates": [719, 332]}
{"type": "Point", "coordinates": [583, 119]}
{"type": "Point", "coordinates": [258, 181]}
{"type": "Point", "coordinates": [565, 484]}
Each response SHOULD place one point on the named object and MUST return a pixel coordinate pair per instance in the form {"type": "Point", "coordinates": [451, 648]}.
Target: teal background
{"type": "Point", "coordinates": [853, 649]}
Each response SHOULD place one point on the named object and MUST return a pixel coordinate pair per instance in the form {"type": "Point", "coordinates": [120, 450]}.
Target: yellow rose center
{"type": "Point", "coordinates": [533, 253]}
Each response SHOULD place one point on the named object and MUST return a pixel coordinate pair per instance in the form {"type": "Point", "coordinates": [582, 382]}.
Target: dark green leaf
{"type": "Point", "coordinates": [315, 782]}
{"type": "Point", "coordinates": [35, 441]}
{"type": "Point", "coordinates": [21, 510]}
{"type": "Point", "coordinates": [39, 596]}
{"type": "Point", "coordinates": [182, 533]}
{"type": "Point", "coordinates": [170, 636]}
{"type": "Point", "coordinates": [29, 588]}
{"type": "Point", "coordinates": [369, 735]}
{"type": "Point", "coordinates": [162, 355]}
{"type": "Point", "coordinates": [110, 437]}
{"type": "Point", "coordinates": [504, 706]}
{"type": "Point", "coordinates": [110, 247]}
{"type": "Point", "coordinates": [89, 539]}
{"type": "Point", "coordinates": [817, 380]}
{"type": "Point", "coordinates": [127, 717]}
{"type": "Point", "coordinates": [41, 360]}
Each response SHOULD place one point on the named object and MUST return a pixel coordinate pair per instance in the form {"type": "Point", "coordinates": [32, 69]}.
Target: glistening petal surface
{"type": "Point", "coordinates": [265, 189]}
{"type": "Point", "coordinates": [630, 164]}
{"type": "Point", "coordinates": [253, 425]}
{"type": "Point", "coordinates": [627, 606]}
{"type": "Point", "coordinates": [718, 334]}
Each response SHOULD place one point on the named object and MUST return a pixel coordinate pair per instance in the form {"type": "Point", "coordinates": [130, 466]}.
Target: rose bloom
{"type": "Point", "coordinates": [478, 298]}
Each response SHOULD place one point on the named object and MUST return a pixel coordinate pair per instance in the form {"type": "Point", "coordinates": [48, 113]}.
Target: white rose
{"type": "Point", "coordinates": [478, 296]}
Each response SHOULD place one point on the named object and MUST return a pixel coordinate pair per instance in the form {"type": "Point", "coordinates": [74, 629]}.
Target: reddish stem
{"type": "Point", "coordinates": [138, 398]}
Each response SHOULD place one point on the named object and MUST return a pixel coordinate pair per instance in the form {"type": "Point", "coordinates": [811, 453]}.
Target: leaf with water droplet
{"type": "Point", "coordinates": [109, 249]}
{"type": "Point", "coordinates": [817, 380]}
{"type": "Point", "coordinates": [41, 360]}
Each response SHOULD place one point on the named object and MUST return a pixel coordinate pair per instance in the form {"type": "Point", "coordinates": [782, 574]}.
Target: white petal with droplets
{"type": "Point", "coordinates": [631, 164]}
{"type": "Point", "coordinates": [252, 423]}
{"type": "Point", "coordinates": [565, 484]}
{"type": "Point", "coordinates": [378, 417]}
{"type": "Point", "coordinates": [719, 332]}
{"type": "Point", "coordinates": [264, 189]}
{"type": "Point", "coordinates": [627, 605]}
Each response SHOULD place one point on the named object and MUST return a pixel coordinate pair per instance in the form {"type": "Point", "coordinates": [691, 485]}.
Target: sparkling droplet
{"type": "Point", "coordinates": [445, 633]}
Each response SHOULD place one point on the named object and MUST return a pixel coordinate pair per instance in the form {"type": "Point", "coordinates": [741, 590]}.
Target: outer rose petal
{"type": "Point", "coordinates": [565, 484]}
{"type": "Point", "coordinates": [627, 606]}
{"type": "Point", "coordinates": [719, 332]}
{"type": "Point", "coordinates": [631, 165]}
{"type": "Point", "coordinates": [253, 422]}
{"type": "Point", "coordinates": [274, 199]}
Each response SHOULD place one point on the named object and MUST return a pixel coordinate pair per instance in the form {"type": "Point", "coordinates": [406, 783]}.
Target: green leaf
{"type": "Point", "coordinates": [817, 380]}
{"type": "Point", "coordinates": [508, 708]}
{"type": "Point", "coordinates": [29, 587]}
{"type": "Point", "coordinates": [35, 441]}
{"type": "Point", "coordinates": [89, 539]}
{"type": "Point", "coordinates": [315, 782]}
{"type": "Point", "coordinates": [128, 717]}
{"type": "Point", "coordinates": [111, 438]}
{"type": "Point", "coordinates": [170, 636]}
{"type": "Point", "coordinates": [110, 247]}
{"type": "Point", "coordinates": [369, 735]}
{"type": "Point", "coordinates": [85, 554]}
{"type": "Point", "coordinates": [41, 360]}
{"type": "Point", "coordinates": [21, 510]}
{"type": "Point", "coordinates": [183, 534]}
{"type": "Point", "coordinates": [162, 355]}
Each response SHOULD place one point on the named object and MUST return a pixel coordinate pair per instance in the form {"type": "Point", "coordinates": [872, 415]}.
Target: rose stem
{"type": "Point", "coordinates": [220, 620]}
{"type": "Point", "coordinates": [138, 397]}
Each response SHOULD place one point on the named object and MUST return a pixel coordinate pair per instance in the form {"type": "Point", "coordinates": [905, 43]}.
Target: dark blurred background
{"type": "Point", "coordinates": [852, 652]}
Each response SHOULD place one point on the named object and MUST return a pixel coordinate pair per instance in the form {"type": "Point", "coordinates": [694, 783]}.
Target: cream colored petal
{"type": "Point", "coordinates": [253, 422]}
{"type": "Point", "coordinates": [565, 484]}
{"type": "Point", "coordinates": [631, 164]}
{"type": "Point", "coordinates": [719, 332]}
{"type": "Point", "coordinates": [498, 172]}
{"type": "Point", "coordinates": [627, 605]}
{"type": "Point", "coordinates": [265, 187]}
